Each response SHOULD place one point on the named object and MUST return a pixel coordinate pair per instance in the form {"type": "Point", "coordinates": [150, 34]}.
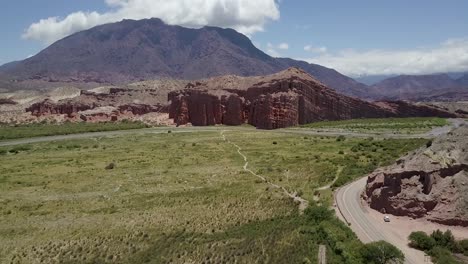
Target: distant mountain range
{"type": "Point", "coordinates": [421, 88]}
{"type": "Point", "coordinates": [148, 49]}
{"type": "Point", "coordinates": [134, 50]}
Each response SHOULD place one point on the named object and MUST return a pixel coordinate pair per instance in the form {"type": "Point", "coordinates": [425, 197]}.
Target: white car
{"type": "Point", "coordinates": [386, 218]}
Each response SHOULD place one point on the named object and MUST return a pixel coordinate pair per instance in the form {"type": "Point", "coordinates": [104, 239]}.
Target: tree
{"type": "Point", "coordinates": [445, 240]}
{"type": "Point", "coordinates": [421, 240]}
{"type": "Point", "coordinates": [381, 252]}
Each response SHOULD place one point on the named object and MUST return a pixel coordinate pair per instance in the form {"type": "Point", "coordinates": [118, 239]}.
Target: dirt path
{"type": "Point", "coordinates": [322, 254]}
{"type": "Point", "coordinates": [303, 203]}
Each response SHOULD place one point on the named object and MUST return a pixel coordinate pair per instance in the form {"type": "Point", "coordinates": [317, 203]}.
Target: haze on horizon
{"type": "Point", "coordinates": [362, 38]}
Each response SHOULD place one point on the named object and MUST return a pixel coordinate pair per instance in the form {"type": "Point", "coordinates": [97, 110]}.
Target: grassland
{"type": "Point", "coordinates": [179, 198]}
{"type": "Point", "coordinates": [45, 129]}
{"type": "Point", "coordinates": [412, 125]}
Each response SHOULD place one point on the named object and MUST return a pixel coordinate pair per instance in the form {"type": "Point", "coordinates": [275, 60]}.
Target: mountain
{"type": "Point", "coordinates": [413, 87]}
{"type": "Point", "coordinates": [372, 79]}
{"type": "Point", "coordinates": [149, 49]}
{"type": "Point", "coordinates": [463, 80]}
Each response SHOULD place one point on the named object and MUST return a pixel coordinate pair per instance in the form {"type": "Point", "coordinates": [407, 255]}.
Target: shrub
{"type": "Point", "coordinates": [275, 143]}
{"type": "Point", "coordinates": [446, 239]}
{"type": "Point", "coordinates": [111, 166]}
{"type": "Point", "coordinates": [3, 152]}
{"type": "Point", "coordinates": [340, 138]}
{"type": "Point", "coordinates": [421, 240]}
{"type": "Point", "coordinates": [317, 214]}
{"type": "Point", "coordinates": [381, 252]}
{"type": "Point", "coordinates": [340, 152]}
{"type": "Point", "coordinates": [442, 255]}
{"type": "Point", "coordinates": [429, 143]}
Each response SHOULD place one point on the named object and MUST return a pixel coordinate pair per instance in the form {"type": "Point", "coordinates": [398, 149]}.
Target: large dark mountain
{"type": "Point", "coordinates": [148, 49]}
{"type": "Point", "coordinates": [414, 87]}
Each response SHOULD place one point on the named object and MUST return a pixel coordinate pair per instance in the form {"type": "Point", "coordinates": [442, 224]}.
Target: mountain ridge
{"type": "Point", "coordinates": [133, 50]}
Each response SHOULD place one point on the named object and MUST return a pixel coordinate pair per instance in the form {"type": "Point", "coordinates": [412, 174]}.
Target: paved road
{"type": "Point", "coordinates": [158, 130]}
{"type": "Point", "coordinates": [366, 227]}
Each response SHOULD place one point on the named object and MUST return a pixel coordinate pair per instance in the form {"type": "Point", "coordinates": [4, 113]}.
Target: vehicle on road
{"type": "Point", "coordinates": [386, 218]}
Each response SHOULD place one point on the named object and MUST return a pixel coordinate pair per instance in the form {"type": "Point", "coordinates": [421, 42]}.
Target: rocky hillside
{"type": "Point", "coordinates": [287, 98]}
{"type": "Point", "coordinates": [431, 182]}
{"type": "Point", "coordinates": [148, 49]}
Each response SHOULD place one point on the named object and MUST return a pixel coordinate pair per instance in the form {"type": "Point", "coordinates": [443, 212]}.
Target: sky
{"type": "Point", "coordinates": [357, 38]}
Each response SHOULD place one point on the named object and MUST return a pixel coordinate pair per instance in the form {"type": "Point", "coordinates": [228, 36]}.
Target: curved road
{"type": "Point", "coordinates": [366, 227]}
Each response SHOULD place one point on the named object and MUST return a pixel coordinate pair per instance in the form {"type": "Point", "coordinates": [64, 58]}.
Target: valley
{"type": "Point", "coordinates": [178, 196]}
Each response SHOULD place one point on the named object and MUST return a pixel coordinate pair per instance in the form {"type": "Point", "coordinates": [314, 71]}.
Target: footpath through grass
{"type": "Point", "coordinates": [43, 129]}
{"type": "Point", "coordinates": [413, 125]}
{"type": "Point", "coordinates": [180, 198]}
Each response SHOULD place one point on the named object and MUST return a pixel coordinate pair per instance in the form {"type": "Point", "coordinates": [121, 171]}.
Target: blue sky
{"type": "Point", "coordinates": [361, 37]}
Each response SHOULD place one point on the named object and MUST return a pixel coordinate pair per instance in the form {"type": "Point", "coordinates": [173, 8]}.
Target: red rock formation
{"type": "Point", "coordinates": [284, 99]}
{"type": "Point", "coordinates": [122, 99]}
{"type": "Point", "coordinates": [48, 107]}
{"type": "Point", "coordinates": [140, 109]}
{"type": "Point", "coordinates": [431, 182]}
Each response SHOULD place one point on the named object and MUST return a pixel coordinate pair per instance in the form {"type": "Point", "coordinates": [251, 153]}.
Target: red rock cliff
{"type": "Point", "coordinates": [284, 99]}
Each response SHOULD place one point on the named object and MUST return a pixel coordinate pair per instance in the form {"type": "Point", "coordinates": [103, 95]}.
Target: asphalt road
{"type": "Point", "coordinates": [433, 133]}
{"type": "Point", "coordinates": [366, 227]}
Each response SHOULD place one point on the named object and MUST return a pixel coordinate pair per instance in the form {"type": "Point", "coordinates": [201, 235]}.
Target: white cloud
{"type": "Point", "coordinates": [314, 49]}
{"type": "Point", "coordinates": [283, 46]}
{"type": "Point", "coordinates": [450, 56]}
{"type": "Point", "coordinates": [271, 50]}
{"type": "Point", "coordinates": [246, 16]}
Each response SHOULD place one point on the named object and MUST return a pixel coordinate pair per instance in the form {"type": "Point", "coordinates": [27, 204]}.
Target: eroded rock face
{"type": "Point", "coordinates": [134, 102]}
{"type": "Point", "coordinates": [48, 107]}
{"type": "Point", "coordinates": [430, 182]}
{"type": "Point", "coordinates": [285, 99]}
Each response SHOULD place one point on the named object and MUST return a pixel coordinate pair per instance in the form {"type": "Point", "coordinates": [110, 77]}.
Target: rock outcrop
{"type": "Point", "coordinates": [287, 98]}
{"type": "Point", "coordinates": [431, 182]}
{"type": "Point", "coordinates": [6, 101]}
{"type": "Point", "coordinates": [90, 106]}
{"type": "Point", "coordinates": [48, 107]}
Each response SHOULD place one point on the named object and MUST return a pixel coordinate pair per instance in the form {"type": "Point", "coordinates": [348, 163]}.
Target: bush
{"type": "Point", "coordinates": [275, 143]}
{"type": "Point", "coordinates": [381, 252]}
{"type": "Point", "coordinates": [421, 240]}
{"type": "Point", "coordinates": [111, 166]}
{"type": "Point", "coordinates": [340, 152]}
{"type": "Point", "coordinates": [429, 143]}
{"type": "Point", "coordinates": [340, 138]}
{"type": "Point", "coordinates": [463, 245]}
{"type": "Point", "coordinates": [317, 214]}
{"type": "Point", "coordinates": [442, 255]}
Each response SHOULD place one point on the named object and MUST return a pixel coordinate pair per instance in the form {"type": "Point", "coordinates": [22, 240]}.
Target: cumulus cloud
{"type": "Point", "coordinates": [314, 49]}
{"type": "Point", "coordinates": [246, 16]}
{"type": "Point", "coordinates": [283, 46]}
{"type": "Point", "coordinates": [272, 49]}
{"type": "Point", "coordinates": [450, 56]}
